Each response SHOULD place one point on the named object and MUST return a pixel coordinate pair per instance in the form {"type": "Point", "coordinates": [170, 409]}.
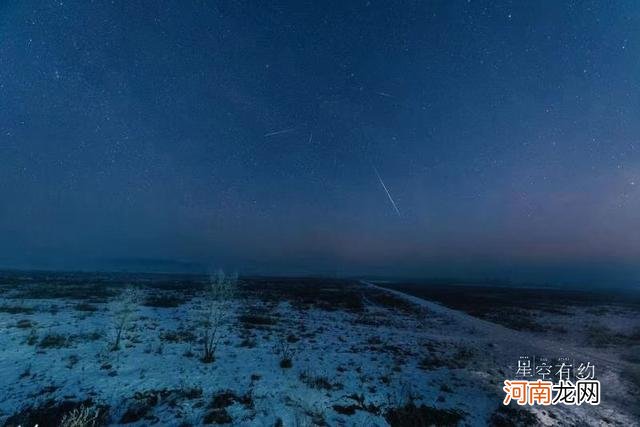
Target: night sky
{"type": "Point", "coordinates": [451, 138]}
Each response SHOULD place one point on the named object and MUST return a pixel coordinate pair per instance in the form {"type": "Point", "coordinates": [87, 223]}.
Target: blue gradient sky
{"type": "Point", "coordinates": [507, 134]}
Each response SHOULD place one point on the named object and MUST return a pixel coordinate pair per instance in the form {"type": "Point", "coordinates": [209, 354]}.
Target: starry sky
{"type": "Point", "coordinates": [420, 138]}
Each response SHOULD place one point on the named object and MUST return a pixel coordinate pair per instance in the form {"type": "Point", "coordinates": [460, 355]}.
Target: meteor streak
{"type": "Point", "coordinates": [279, 132]}
{"type": "Point", "coordinates": [395, 208]}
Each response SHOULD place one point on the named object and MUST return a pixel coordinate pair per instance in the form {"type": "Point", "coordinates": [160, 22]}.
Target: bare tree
{"type": "Point", "coordinates": [216, 310]}
{"type": "Point", "coordinates": [124, 311]}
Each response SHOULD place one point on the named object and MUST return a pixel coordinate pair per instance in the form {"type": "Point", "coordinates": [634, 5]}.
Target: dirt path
{"type": "Point", "coordinates": [509, 337]}
{"type": "Point", "coordinates": [506, 345]}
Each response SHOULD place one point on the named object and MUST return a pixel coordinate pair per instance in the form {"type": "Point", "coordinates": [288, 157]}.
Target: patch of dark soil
{"type": "Point", "coordinates": [509, 416]}
{"type": "Point", "coordinates": [227, 398]}
{"type": "Point", "coordinates": [16, 309]}
{"type": "Point", "coordinates": [217, 416]}
{"type": "Point", "coordinates": [218, 407]}
{"type": "Point", "coordinates": [358, 404]}
{"type": "Point", "coordinates": [305, 292]}
{"type": "Point", "coordinates": [411, 415]}
{"type": "Point", "coordinates": [345, 409]}
{"type": "Point", "coordinates": [54, 341]}
{"type": "Point", "coordinates": [163, 301]}
{"type": "Point", "coordinates": [86, 307]}
{"type": "Point", "coordinates": [601, 336]}
{"type": "Point", "coordinates": [24, 324]}
{"type": "Point", "coordinates": [143, 403]}
{"type": "Point", "coordinates": [249, 320]}
{"type": "Point", "coordinates": [178, 336]}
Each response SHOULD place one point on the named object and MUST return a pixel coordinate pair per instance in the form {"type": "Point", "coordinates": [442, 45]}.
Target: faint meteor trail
{"type": "Point", "coordinates": [386, 191]}
{"type": "Point", "coordinates": [279, 132]}
{"type": "Point", "coordinates": [386, 95]}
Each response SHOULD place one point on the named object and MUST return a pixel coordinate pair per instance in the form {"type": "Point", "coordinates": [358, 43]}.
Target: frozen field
{"type": "Point", "coordinates": [294, 353]}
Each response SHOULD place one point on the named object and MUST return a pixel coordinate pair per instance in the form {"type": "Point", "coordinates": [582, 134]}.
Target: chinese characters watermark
{"type": "Point", "coordinates": [543, 381]}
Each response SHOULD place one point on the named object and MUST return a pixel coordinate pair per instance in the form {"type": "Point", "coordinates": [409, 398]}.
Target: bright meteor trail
{"type": "Point", "coordinates": [387, 191]}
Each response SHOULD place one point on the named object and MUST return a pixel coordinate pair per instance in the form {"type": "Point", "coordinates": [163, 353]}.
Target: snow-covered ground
{"type": "Point", "coordinates": [386, 359]}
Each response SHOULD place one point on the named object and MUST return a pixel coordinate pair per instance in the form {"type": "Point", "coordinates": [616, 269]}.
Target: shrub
{"type": "Point", "coordinates": [81, 417]}
{"type": "Point", "coordinates": [215, 312]}
{"type": "Point", "coordinates": [285, 352]}
{"type": "Point", "coordinates": [318, 382]}
{"type": "Point", "coordinates": [124, 310]}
